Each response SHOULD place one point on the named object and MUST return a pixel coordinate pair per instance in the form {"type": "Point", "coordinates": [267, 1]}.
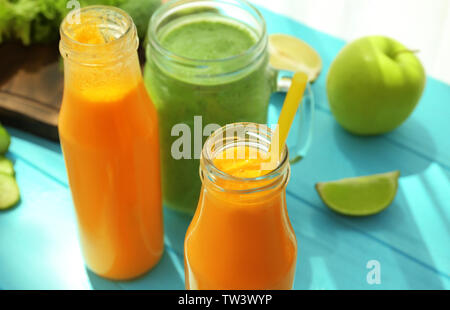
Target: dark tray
{"type": "Point", "coordinates": [31, 85]}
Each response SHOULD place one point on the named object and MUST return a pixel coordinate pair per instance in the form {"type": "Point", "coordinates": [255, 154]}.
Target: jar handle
{"type": "Point", "coordinates": [300, 136]}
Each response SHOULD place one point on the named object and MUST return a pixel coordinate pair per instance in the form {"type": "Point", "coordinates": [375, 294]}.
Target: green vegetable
{"type": "Point", "coordinates": [9, 191]}
{"type": "Point", "coordinates": [37, 21]}
{"type": "Point", "coordinates": [30, 21]}
{"type": "Point", "coordinates": [141, 11]}
{"type": "Point", "coordinates": [5, 140]}
{"type": "Point", "coordinates": [6, 166]}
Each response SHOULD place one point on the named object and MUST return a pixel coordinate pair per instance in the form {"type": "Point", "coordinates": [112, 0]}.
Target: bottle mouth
{"type": "Point", "coordinates": [97, 34]}
{"type": "Point", "coordinates": [241, 12]}
{"type": "Point", "coordinates": [243, 134]}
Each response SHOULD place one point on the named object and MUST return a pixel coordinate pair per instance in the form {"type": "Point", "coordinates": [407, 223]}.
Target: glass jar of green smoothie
{"type": "Point", "coordinates": [207, 66]}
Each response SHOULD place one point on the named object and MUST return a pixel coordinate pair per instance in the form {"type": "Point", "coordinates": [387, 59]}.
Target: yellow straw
{"type": "Point", "coordinates": [287, 115]}
{"type": "Point", "coordinates": [288, 111]}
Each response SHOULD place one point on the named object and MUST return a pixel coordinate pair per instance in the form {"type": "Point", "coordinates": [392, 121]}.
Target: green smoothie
{"type": "Point", "coordinates": [228, 89]}
{"type": "Point", "coordinates": [207, 39]}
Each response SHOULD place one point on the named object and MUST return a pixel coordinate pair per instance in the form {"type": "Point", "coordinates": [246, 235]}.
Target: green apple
{"type": "Point", "coordinates": [374, 84]}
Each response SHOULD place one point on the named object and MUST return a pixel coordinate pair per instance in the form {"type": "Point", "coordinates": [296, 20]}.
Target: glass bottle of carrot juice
{"type": "Point", "coordinates": [241, 236]}
{"type": "Point", "coordinates": [109, 136]}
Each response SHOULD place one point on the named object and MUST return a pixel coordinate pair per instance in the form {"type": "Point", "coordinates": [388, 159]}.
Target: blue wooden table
{"type": "Point", "coordinates": [411, 239]}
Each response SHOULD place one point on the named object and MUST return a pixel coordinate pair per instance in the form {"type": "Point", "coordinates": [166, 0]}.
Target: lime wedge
{"type": "Point", "coordinates": [9, 191]}
{"type": "Point", "coordinates": [5, 140]}
{"type": "Point", "coordinates": [6, 166]}
{"type": "Point", "coordinates": [360, 196]}
{"type": "Point", "coordinates": [290, 53]}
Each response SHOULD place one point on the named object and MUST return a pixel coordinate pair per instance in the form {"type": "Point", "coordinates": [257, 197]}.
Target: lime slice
{"type": "Point", "coordinates": [360, 196]}
{"type": "Point", "coordinates": [6, 166]}
{"type": "Point", "coordinates": [290, 53]}
{"type": "Point", "coordinates": [9, 191]}
{"type": "Point", "coordinates": [5, 140]}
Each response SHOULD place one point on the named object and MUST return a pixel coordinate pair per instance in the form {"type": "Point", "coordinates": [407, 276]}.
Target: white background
{"type": "Point", "coordinates": [418, 24]}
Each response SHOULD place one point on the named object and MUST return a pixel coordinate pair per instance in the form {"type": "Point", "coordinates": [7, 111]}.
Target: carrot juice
{"type": "Point", "coordinates": [109, 135]}
{"type": "Point", "coordinates": [240, 236]}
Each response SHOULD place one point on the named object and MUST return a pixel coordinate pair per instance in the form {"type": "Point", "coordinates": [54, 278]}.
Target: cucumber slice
{"type": "Point", "coordinates": [5, 140]}
{"type": "Point", "coordinates": [6, 166]}
{"type": "Point", "coordinates": [9, 191]}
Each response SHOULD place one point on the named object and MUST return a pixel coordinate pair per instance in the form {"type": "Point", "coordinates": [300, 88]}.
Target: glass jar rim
{"type": "Point", "coordinates": [67, 42]}
{"type": "Point", "coordinates": [168, 8]}
{"type": "Point", "coordinates": [207, 161]}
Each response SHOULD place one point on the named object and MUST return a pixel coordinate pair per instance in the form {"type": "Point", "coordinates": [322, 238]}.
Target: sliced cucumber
{"type": "Point", "coordinates": [6, 166]}
{"type": "Point", "coordinates": [9, 191]}
{"type": "Point", "coordinates": [5, 140]}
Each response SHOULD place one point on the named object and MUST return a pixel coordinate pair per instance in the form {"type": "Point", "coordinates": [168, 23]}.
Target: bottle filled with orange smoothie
{"type": "Point", "coordinates": [241, 236]}
{"type": "Point", "coordinates": [109, 135]}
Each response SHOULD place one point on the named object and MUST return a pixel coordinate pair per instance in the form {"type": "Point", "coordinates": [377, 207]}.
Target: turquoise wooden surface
{"type": "Point", "coordinates": [411, 239]}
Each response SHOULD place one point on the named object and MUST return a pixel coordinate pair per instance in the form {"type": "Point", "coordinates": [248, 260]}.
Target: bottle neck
{"type": "Point", "coordinates": [98, 36]}
{"type": "Point", "coordinates": [99, 48]}
{"type": "Point", "coordinates": [248, 189]}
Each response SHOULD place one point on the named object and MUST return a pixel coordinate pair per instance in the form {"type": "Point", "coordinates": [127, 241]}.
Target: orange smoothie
{"type": "Point", "coordinates": [240, 236]}
{"type": "Point", "coordinates": [109, 135]}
